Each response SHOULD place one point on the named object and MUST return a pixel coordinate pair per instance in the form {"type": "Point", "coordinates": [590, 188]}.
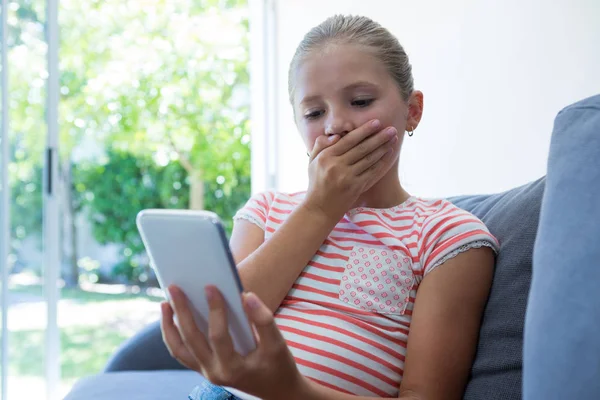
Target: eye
{"type": "Point", "coordinates": [362, 102]}
{"type": "Point", "coordinates": [314, 114]}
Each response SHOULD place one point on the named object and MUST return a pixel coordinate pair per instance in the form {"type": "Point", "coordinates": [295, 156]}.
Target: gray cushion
{"type": "Point", "coordinates": [145, 351]}
{"type": "Point", "coordinates": [140, 385]}
{"type": "Point", "coordinates": [512, 217]}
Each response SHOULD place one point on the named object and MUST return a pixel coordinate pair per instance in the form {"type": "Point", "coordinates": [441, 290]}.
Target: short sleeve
{"type": "Point", "coordinates": [256, 210]}
{"type": "Point", "coordinates": [451, 232]}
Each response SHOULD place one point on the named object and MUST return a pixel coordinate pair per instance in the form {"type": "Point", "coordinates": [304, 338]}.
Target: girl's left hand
{"type": "Point", "coordinates": [268, 372]}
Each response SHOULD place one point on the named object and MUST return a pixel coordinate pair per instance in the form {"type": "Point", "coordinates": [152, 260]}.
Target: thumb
{"type": "Point", "coordinates": [322, 143]}
{"type": "Point", "coordinates": [262, 319]}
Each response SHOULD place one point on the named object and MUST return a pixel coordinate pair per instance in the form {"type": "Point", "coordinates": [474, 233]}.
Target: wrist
{"type": "Point", "coordinates": [316, 211]}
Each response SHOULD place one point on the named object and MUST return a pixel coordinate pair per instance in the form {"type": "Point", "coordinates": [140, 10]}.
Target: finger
{"type": "Point", "coordinates": [353, 138]}
{"type": "Point", "coordinates": [372, 174]}
{"type": "Point", "coordinates": [190, 334]}
{"type": "Point", "coordinates": [173, 341]}
{"type": "Point", "coordinates": [321, 144]}
{"type": "Point", "coordinates": [370, 144]}
{"type": "Point", "coordinates": [218, 326]}
{"type": "Point", "coordinates": [262, 319]}
{"type": "Point", "coordinates": [374, 157]}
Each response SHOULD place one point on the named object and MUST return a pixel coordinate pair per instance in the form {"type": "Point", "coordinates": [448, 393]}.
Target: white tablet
{"type": "Point", "coordinates": [190, 249]}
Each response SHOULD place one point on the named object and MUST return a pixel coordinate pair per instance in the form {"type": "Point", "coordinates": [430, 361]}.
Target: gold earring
{"type": "Point", "coordinates": [411, 132]}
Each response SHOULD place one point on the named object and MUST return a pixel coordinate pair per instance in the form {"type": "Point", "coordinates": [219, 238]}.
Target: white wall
{"type": "Point", "coordinates": [494, 75]}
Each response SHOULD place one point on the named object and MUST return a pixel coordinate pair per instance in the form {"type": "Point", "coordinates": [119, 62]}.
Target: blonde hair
{"type": "Point", "coordinates": [348, 29]}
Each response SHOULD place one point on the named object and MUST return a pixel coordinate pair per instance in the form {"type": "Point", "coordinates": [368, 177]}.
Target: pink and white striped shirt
{"type": "Point", "coordinates": [347, 317]}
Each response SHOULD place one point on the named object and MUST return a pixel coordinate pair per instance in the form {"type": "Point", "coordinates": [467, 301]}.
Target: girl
{"type": "Point", "coordinates": [359, 290]}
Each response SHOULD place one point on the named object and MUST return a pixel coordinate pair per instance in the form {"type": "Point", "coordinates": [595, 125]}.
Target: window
{"type": "Point", "coordinates": [152, 104]}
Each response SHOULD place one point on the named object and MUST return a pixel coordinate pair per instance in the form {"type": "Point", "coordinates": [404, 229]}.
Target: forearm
{"type": "Point", "coordinates": [272, 269]}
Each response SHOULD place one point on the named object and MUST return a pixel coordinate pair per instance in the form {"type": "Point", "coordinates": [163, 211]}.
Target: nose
{"type": "Point", "coordinates": [337, 123]}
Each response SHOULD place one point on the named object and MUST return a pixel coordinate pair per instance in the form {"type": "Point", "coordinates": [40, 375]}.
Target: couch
{"type": "Point", "coordinates": [143, 369]}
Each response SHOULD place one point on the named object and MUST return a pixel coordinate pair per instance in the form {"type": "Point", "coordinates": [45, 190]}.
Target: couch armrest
{"type": "Point", "coordinates": [145, 351]}
{"type": "Point", "coordinates": [562, 340]}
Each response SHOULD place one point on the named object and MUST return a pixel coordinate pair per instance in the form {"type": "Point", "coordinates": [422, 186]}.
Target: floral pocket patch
{"type": "Point", "coordinates": [377, 280]}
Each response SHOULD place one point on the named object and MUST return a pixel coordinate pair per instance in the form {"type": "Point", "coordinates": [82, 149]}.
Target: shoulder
{"type": "Point", "coordinates": [270, 198]}
{"type": "Point", "coordinates": [442, 216]}
{"type": "Point", "coordinates": [448, 230]}
{"type": "Point", "coordinates": [428, 213]}
{"type": "Point", "coordinates": [264, 204]}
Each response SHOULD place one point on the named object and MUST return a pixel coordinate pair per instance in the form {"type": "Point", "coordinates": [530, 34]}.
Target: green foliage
{"type": "Point", "coordinates": [26, 207]}
{"type": "Point", "coordinates": [152, 91]}
{"type": "Point", "coordinates": [225, 196]}
{"type": "Point", "coordinates": [113, 193]}
{"type": "Point", "coordinates": [26, 107]}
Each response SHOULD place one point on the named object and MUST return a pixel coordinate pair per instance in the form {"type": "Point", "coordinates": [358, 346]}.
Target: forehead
{"type": "Point", "coordinates": [335, 67]}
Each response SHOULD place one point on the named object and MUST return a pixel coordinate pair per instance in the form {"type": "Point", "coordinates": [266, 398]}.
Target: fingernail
{"type": "Point", "coordinates": [209, 291]}
{"type": "Point", "coordinates": [331, 138]}
{"type": "Point", "coordinates": [394, 139]}
{"type": "Point", "coordinates": [252, 301]}
{"type": "Point", "coordinates": [391, 131]}
{"type": "Point", "coordinates": [375, 123]}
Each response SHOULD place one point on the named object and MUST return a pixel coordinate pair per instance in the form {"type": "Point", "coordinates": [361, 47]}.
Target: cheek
{"type": "Point", "coordinates": [394, 116]}
{"type": "Point", "coordinates": [309, 135]}
{"type": "Point", "coordinates": [391, 116]}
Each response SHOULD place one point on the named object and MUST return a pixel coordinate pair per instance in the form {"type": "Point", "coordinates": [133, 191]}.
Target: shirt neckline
{"type": "Point", "coordinates": [357, 210]}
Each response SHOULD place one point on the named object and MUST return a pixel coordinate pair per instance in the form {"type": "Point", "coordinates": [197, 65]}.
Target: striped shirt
{"type": "Point", "coordinates": [347, 317]}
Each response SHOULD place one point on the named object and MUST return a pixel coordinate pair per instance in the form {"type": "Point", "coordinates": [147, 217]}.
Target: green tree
{"type": "Point", "coordinates": [115, 192]}
{"type": "Point", "coordinates": [163, 80]}
{"type": "Point", "coordinates": [172, 80]}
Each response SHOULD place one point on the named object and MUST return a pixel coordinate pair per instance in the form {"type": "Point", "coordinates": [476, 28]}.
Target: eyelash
{"type": "Point", "coordinates": [316, 114]}
{"type": "Point", "coordinates": [367, 102]}
{"type": "Point", "coordinates": [313, 114]}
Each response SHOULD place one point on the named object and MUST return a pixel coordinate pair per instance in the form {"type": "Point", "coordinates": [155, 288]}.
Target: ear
{"type": "Point", "coordinates": [415, 110]}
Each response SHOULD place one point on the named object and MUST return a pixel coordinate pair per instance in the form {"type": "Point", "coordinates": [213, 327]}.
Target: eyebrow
{"type": "Point", "coordinates": [360, 84]}
{"type": "Point", "coordinates": [353, 86]}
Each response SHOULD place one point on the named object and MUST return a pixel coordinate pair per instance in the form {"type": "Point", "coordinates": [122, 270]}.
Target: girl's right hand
{"type": "Point", "coordinates": [341, 169]}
